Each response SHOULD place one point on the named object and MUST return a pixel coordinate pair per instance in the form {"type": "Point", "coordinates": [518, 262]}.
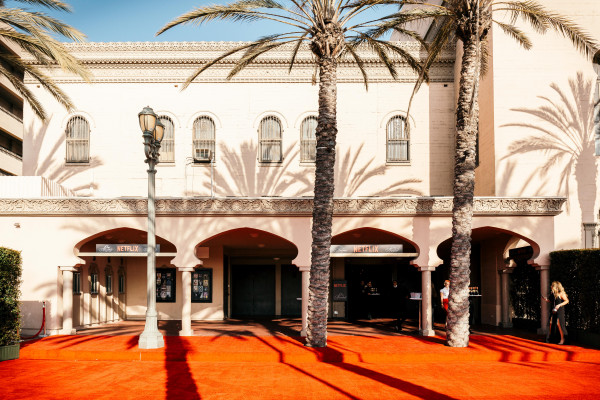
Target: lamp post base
{"type": "Point", "coordinates": [151, 338]}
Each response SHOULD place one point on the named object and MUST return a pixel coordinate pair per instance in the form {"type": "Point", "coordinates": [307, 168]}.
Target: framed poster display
{"type": "Point", "coordinates": [202, 285]}
{"type": "Point", "coordinates": [165, 285]}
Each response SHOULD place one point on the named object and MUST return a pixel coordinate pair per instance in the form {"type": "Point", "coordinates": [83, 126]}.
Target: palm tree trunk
{"type": "Point", "coordinates": [464, 186]}
{"type": "Point", "coordinates": [318, 299]}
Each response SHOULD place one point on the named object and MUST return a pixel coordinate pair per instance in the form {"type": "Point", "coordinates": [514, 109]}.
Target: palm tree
{"type": "Point", "coordinates": [32, 31]}
{"type": "Point", "coordinates": [330, 29]}
{"type": "Point", "coordinates": [470, 21]}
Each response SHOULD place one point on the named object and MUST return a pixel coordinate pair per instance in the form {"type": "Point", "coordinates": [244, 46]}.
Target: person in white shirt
{"type": "Point", "coordinates": [444, 293]}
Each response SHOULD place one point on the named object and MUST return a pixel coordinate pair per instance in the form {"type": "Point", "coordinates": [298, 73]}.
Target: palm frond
{"type": "Point", "coordinates": [33, 22]}
{"type": "Point", "coordinates": [257, 48]}
{"type": "Point", "coordinates": [542, 19]}
{"type": "Point", "coordinates": [351, 49]}
{"type": "Point", "coordinates": [399, 19]}
{"type": "Point", "coordinates": [296, 49]}
{"type": "Point", "coordinates": [240, 11]}
{"type": "Point", "coordinates": [515, 33]}
{"type": "Point", "coordinates": [52, 4]}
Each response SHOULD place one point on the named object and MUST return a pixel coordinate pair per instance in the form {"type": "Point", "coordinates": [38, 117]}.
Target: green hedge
{"type": "Point", "coordinates": [10, 280]}
{"type": "Point", "coordinates": [579, 273]}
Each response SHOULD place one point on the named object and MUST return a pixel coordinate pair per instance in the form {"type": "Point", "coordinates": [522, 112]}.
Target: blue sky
{"type": "Point", "coordinates": [138, 21]}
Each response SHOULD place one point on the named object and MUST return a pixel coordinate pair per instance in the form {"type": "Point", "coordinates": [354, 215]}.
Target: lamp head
{"type": "Point", "coordinates": [147, 119]}
{"type": "Point", "coordinates": [159, 131]}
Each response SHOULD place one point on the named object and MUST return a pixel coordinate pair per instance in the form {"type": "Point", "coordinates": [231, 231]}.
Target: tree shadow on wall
{"type": "Point", "coordinates": [565, 136]}
{"type": "Point", "coordinates": [53, 168]}
{"type": "Point", "coordinates": [244, 176]}
{"type": "Point", "coordinates": [349, 177]}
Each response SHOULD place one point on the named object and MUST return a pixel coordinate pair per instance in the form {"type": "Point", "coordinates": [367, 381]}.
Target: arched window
{"type": "Point", "coordinates": [78, 140]}
{"type": "Point", "coordinates": [167, 146]}
{"type": "Point", "coordinates": [108, 279]}
{"type": "Point", "coordinates": [269, 140]}
{"type": "Point", "coordinates": [308, 139]}
{"type": "Point", "coordinates": [93, 279]}
{"type": "Point", "coordinates": [397, 140]}
{"type": "Point", "coordinates": [122, 282]}
{"type": "Point", "coordinates": [204, 139]}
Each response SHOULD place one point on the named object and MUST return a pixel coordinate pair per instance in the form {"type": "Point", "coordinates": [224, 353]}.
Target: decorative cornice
{"type": "Point", "coordinates": [426, 206]}
{"type": "Point", "coordinates": [174, 62]}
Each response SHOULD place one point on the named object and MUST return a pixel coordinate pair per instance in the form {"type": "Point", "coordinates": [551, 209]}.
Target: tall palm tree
{"type": "Point", "coordinates": [32, 31]}
{"type": "Point", "coordinates": [330, 29]}
{"type": "Point", "coordinates": [469, 21]}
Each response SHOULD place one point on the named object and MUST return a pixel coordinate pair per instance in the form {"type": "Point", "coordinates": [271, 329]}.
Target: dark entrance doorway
{"type": "Point", "coordinates": [252, 290]}
{"type": "Point", "coordinates": [375, 301]}
{"type": "Point", "coordinates": [291, 291]}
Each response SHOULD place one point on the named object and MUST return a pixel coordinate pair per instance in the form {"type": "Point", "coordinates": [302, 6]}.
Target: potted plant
{"type": "Point", "coordinates": [10, 318]}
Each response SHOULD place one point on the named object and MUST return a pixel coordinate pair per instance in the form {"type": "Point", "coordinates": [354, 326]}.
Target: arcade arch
{"type": "Point", "coordinates": [491, 266]}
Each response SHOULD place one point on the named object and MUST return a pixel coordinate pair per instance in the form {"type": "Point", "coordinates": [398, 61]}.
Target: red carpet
{"type": "Point", "coordinates": [372, 349]}
{"type": "Point", "coordinates": [367, 367]}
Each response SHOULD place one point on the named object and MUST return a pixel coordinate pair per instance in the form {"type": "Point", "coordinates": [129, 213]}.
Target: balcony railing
{"type": "Point", "coordinates": [11, 114]}
{"type": "Point", "coordinates": [10, 153]}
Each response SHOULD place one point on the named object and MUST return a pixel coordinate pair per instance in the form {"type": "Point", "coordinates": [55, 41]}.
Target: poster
{"type": "Point", "coordinates": [202, 286]}
{"type": "Point", "coordinates": [165, 285]}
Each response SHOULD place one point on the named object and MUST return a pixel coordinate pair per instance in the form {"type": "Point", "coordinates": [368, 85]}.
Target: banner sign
{"type": "Point", "coordinates": [124, 248]}
{"type": "Point", "coordinates": [366, 248]}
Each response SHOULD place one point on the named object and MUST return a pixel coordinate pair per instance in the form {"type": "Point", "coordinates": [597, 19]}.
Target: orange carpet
{"type": "Point", "coordinates": [278, 367]}
{"type": "Point", "coordinates": [372, 349]}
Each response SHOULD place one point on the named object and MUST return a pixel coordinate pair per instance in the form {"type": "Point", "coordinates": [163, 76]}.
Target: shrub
{"type": "Point", "coordinates": [10, 280]}
{"type": "Point", "coordinates": [579, 273]}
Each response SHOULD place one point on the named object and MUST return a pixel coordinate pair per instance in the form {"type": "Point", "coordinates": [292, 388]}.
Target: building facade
{"type": "Point", "coordinates": [234, 184]}
{"type": "Point", "coordinates": [11, 118]}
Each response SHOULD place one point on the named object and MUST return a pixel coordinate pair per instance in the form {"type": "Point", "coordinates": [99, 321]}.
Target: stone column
{"type": "Point", "coordinates": [544, 289]}
{"type": "Point", "coordinates": [186, 306]}
{"type": "Point", "coordinates": [67, 325]}
{"type": "Point", "coordinates": [426, 303]}
{"type": "Point", "coordinates": [305, 283]}
{"type": "Point", "coordinates": [505, 284]}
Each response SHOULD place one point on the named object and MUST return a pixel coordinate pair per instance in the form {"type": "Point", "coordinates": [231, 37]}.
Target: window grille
{"type": "Point", "coordinates": [397, 140]}
{"type": "Point", "coordinates": [121, 273]}
{"type": "Point", "coordinates": [76, 282]}
{"type": "Point", "coordinates": [93, 279]}
{"type": "Point", "coordinates": [108, 280]}
{"type": "Point", "coordinates": [269, 139]}
{"type": "Point", "coordinates": [204, 139]}
{"type": "Point", "coordinates": [78, 140]}
{"type": "Point", "coordinates": [308, 139]}
{"type": "Point", "coordinates": [167, 146]}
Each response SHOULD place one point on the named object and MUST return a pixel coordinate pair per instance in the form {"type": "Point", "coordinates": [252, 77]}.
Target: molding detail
{"type": "Point", "coordinates": [174, 62]}
{"type": "Point", "coordinates": [415, 206]}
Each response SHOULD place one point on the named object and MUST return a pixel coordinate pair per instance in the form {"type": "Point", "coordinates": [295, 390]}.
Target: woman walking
{"type": "Point", "coordinates": [558, 312]}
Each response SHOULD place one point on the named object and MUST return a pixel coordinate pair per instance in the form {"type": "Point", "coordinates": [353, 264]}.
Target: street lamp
{"type": "Point", "coordinates": [152, 131]}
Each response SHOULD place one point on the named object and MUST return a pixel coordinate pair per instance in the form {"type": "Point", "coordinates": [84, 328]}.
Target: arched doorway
{"type": "Point", "coordinates": [489, 275]}
{"type": "Point", "coordinates": [111, 285]}
{"type": "Point", "coordinates": [374, 258]}
{"type": "Point", "coordinates": [259, 279]}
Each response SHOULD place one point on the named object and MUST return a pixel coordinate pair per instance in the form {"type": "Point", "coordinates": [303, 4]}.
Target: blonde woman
{"type": "Point", "coordinates": [558, 312]}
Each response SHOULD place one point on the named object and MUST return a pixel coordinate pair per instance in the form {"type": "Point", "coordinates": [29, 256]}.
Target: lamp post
{"type": "Point", "coordinates": [153, 132]}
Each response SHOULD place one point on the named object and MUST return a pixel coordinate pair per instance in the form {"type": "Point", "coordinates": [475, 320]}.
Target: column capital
{"type": "Point", "coordinates": [425, 268]}
{"type": "Point", "coordinates": [303, 268]}
{"type": "Point", "coordinates": [186, 269]}
{"type": "Point", "coordinates": [68, 269]}
{"type": "Point", "coordinates": [506, 270]}
{"type": "Point", "coordinates": [541, 267]}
